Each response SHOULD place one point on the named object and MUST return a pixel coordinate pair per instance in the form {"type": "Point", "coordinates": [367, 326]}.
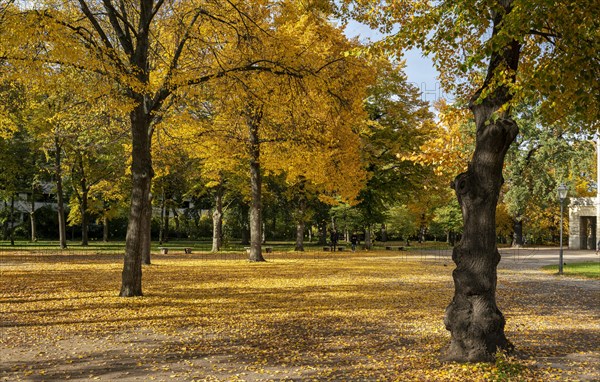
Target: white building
{"type": "Point", "coordinates": [584, 230]}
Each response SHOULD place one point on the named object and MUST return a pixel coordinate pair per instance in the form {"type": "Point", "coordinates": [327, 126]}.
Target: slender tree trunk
{"type": "Point", "coordinates": [32, 215]}
{"type": "Point", "coordinates": [300, 225]}
{"type": "Point", "coordinates": [323, 233]}
{"type": "Point", "coordinates": [166, 227]}
{"type": "Point", "coordinates": [176, 220]}
{"type": "Point", "coordinates": [62, 226]}
{"type": "Point", "coordinates": [141, 173]}
{"type": "Point", "coordinates": [254, 118]}
{"type": "Point", "coordinates": [473, 318]}
{"type": "Point", "coordinates": [161, 231]}
{"type": "Point", "coordinates": [11, 217]}
{"type": "Point", "coordinates": [383, 233]}
{"type": "Point", "coordinates": [84, 217]}
{"type": "Point", "coordinates": [217, 218]}
{"type": "Point", "coordinates": [105, 229]}
{"type": "Point", "coordinates": [368, 237]}
{"type": "Point", "coordinates": [147, 238]}
{"type": "Point", "coordinates": [245, 220]}
{"type": "Point", "coordinates": [5, 224]}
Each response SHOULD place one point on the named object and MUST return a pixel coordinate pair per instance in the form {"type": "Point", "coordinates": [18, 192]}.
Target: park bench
{"type": "Point", "coordinates": [339, 248]}
{"type": "Point", "coordinates": [165, 250]}
{"type": "Point", "coordinates": [266, 249]}
{"type": "Point", "coordinates": [394, 248]}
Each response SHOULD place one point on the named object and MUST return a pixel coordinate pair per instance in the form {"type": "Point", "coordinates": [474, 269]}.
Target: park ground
{"type": "Point", "coordinates": [361, 316]}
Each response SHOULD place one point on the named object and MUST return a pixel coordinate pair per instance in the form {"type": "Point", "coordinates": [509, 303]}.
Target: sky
{"type": "Point", "coordinates": [419, 69]}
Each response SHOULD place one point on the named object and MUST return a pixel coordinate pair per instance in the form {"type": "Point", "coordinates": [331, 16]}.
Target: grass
{"type": "Point", "coordinates": [588, 269]}
{"type": "Point", "coordinates": [349, 316]}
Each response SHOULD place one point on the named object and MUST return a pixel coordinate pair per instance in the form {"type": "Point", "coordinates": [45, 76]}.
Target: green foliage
{"type": "Point", "coordinates": [449, 218]}
{"type": "Point", "coordinates": [401, 222]}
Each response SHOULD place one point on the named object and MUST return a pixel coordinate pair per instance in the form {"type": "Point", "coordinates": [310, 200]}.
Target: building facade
{"type": "Point", "coordinates": [584, 230]}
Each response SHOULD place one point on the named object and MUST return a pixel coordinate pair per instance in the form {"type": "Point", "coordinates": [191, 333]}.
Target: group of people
{"type": "Point", "coordinates": [334, 237]}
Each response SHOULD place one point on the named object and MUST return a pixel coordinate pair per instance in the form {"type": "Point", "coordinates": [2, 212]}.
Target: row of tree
{"type": "Point", "coordinates": [214, 94]}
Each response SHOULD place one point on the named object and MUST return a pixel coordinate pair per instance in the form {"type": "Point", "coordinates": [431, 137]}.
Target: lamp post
{"type": "Point", "coordinates": [562, 195]}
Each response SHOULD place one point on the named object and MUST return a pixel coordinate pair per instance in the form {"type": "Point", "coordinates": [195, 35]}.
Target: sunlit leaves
{"type": "Point", "coordinates": [357, 317]}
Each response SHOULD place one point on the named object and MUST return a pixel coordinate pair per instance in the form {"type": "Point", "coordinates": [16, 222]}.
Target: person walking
{"type": "Point", "coordinates": [334, 239]}
{"type": "Point", "coordinates": [354, 241]}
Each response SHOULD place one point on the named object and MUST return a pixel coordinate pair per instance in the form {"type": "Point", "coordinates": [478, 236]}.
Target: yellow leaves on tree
{"type": "Point", "coordinates": [450, 148]}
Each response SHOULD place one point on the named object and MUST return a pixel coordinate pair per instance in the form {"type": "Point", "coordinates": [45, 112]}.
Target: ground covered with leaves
{"type": "Point", "coordinates": [350, 317]}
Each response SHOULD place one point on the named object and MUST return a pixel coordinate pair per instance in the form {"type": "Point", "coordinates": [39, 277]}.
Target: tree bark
{"type": "Point", "coordinates": [84, 217]}
{"type": "Point", "coordinates": [518, 241]}
{"type": "Point", "coordinates": [105, 229]}
{"type": "Point", "coordinates": [300, 226]}
{"type": "Point", "coordinates": [5, 224]}
{"type": "Point", "coordinates": [161, 232]}
{"type": "Point", "coordinates": [368, 237]}
{"type": "Point", "coordinates": [323, 233]}
{"type": "Point", "coordinates": [217, 218]}
{"type": "Point", "coordinates": [141, 173]}
{"type": "Point", "coordinates": [32, 215]}
{"type": "Point", "coordinates": [11, 218]}
{"type": "Point", "coordinates": [147, 237]}
{"type": "Point", "coordinates": [473, 318]}
{"type": "Point", "coordinates": [253, 120]}
{"type": "Point", "coordinates": [62, 226]}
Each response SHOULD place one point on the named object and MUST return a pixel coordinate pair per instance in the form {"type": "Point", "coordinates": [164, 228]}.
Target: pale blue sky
{"type": "Point", "coordinates": [419, 69]}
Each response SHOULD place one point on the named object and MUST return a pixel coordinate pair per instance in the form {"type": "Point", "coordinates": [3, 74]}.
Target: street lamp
{"type": "Point", "coordinates": [562, 195]}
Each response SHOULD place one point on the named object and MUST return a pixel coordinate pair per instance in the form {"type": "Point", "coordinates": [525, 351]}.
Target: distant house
{"type": "Point", "coordinates": [23, 201]}
{"type": "Point", "coordinates": [583, 216]}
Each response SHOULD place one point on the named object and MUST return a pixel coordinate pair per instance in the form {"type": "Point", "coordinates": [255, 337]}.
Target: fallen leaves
{"type": "Point", "coordinates": [354, 318]}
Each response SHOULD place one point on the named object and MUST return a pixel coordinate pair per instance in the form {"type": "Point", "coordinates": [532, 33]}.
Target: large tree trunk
{"type": "Point", "coordinates": [256, 236]}
{"type": "Point", "coordinates": [217, 218]}
{"type": "Point", "coordinates": [141, 173]}
{"type": "Point", "coordinates": [62, 226]}
{"type": "Point", "coordinates": [473, 318]}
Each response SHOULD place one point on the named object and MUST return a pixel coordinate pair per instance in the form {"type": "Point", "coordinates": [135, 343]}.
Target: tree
{"type": "Point", "coordinates": [542, 157]}
{"type": "Point", "coordinates": [400, 122]}
{"type": "Point", "coordinates": [508, 51]}
{"type": "Point", "coordinates": [151, 51]}
{"type": "Point", "coordinates": [274, 123]}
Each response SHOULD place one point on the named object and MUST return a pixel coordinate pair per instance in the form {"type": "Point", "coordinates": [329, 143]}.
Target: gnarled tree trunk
{"type": "Point", "coordinates": [473, 318]}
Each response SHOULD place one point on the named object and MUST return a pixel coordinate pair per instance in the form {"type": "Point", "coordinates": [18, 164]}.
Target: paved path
{"type": "Point", "coordinates": [535, 258]}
